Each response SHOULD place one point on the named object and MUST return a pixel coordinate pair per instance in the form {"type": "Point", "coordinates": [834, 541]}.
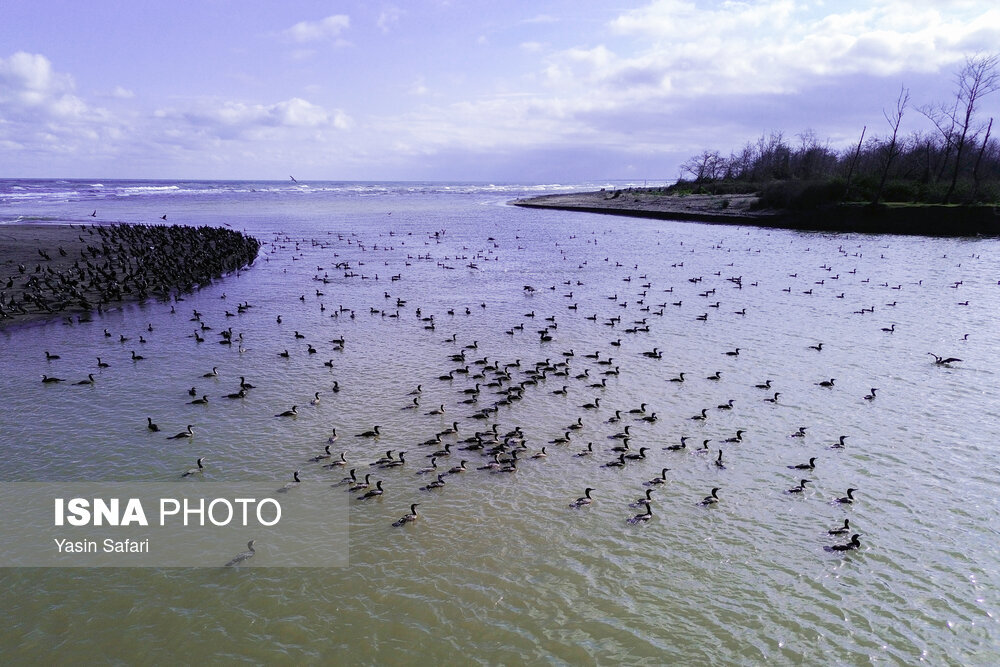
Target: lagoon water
{"type": "Point", "coordinates": [499, 568]}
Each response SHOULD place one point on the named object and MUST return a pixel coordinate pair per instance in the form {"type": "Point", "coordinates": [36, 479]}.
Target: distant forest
{"type": "Point", "coordinates": [958, 162]}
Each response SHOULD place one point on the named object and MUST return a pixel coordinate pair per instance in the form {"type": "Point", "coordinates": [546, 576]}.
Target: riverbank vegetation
{"type": "Point", "coordinates": [955, 162]}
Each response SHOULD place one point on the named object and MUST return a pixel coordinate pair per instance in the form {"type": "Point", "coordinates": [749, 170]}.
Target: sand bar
{"type": "Point", "coordinates": [52, 270]}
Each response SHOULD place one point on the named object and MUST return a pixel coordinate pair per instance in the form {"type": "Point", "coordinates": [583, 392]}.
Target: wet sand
{"type": "Point", "coordinates": [53, 270]}
{"type": "Point", "coordinates": [732, 209]}
{"type": "Point", "coordinates": [906, 219]}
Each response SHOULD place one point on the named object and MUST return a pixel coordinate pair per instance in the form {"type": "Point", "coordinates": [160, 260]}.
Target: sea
{"type": "Point", "coordinates": [615, 329]}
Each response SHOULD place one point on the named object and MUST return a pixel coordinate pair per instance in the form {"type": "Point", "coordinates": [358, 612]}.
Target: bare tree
{"type": "Point", "coordinates": [892, 150]}
{"type": "Point", "coordinates": [979, 161]}
{"type": "Point", "coordinates": [978, 78]}
{"type": "Point", "coordinates": [706, 167]}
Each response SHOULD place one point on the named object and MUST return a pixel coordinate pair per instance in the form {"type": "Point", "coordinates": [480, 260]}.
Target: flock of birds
{"type": "Point", "coordinates": [483, 391]}
{"type": "Point", "coordinates": [118, 263]}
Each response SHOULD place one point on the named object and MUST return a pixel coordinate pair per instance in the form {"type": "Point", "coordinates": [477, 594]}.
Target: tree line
{"type": "Point", "coordinates": [958, 161]}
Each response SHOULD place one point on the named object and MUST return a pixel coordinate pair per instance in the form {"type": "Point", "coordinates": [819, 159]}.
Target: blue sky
{"type": "Point", "coordinates": [542, 91]}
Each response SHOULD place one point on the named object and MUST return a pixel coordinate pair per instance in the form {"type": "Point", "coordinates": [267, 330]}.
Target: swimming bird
{"type": "Point", "coordinates": [101, 364]}
{"type": "Point", "coordinates": [889, 329]}
{"type": "Point", "coordinates": [289, 413]}
{"type": "Point", "coordinates": [342, 461]}
{"type": "Point", "coordinates": [372, 433]}
{"type": "Point", "coordinates": [774, 399]}
{"type": "Point", "coordinates": [728, 405]}
{"type": "Point", "coordinates": [871, 396]}
{"type": "Point", "coordinates": [855, 543]}
{"type": "Point", "coordinates": [839, 444]}
{"type": "Point", "coordinates": [587, 451]}
{"type": "Point", "coordinates": [583, 500]}
{"type": "Point", "coordinates": [436, 484]}
{"type": "Point", "coordinates": [645, 516]}
{"type": "Point", "coordinates": [539, 455]}
{"type": "Point", "coordinates": [818, 347]}
{"type": "Point", "coordinates": [244, 556]}
{"type": "Point", "coordinates": [315, 399]}
{"type": "Point", "coordinates": [199, 401]}
{"type": "Point", "coordinates": [676, 448]}
{"type": "Point", "coordinates": [290, 485]}
{"type": "Point", "coordinates": [372, 493]}
{"type": "Point", "coordinates": [323, 456]}
{"type": "Point", "coordinates": [89, 380]}
{"type": "Point", "coordinates": [213, 373]}
{"type": "Point", "coordinates": [805, 466]}
{"type": "Point", "coordinates": [733, 353]}
{"type": "Point", "coordinates": [713, 498]}
{"type": "Point", "coordinates": [714, 376]}
{"type": "Point", "coordinates": [51, 357]}
{"type": "Point", "coordinates": [656, 481]}
{"type": "Point", "coordinates": [800, 488]}
{"type": "Point", "coordinates": [183, 434]}
{"type": "Point", "coordinates": [843, 530]}
{"type": "Point", "coordinates": [639, 456]}
{"type": "Point", "coordinates": [718, 462]}
{"type": "Point", "coordinates": [645, 499]}
{"type": "Point", "coordinates": [137, 357]}
{"type": "Point", "coordinates": [51, 380]}
{"type": "Point", "coordinates": [940, 361]}
{"type": "Point", "coordinates": [848, 499]}
{"type": "Point", "coordinates": [736, 438]}
{"type": "Point", "coordinates": [407, 518]}
{"type": "Point", "coordinates": [702, 417]}
{"type": "Point", "coordinates": [150, 425]}
{"type": "Point", "coordinates": [195, 471]}
{"type": "Point", "coordinates": [460, 468]}
{"type": "Point", "coordinates": [592, 406]}
{"type": "Point", "coordinates": [617, 463]}
{"type": "Point", "coordinates": [358, 486]}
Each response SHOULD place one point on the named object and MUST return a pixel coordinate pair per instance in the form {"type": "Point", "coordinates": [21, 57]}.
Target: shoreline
{"type": "Point", "coordinates": [930, 220]}
{"type": "Point", "coordinates": [60, 270]}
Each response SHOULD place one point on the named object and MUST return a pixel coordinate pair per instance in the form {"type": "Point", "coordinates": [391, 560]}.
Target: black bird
{"type": "Point", "coordinates": [848, 499]}
{"type": "Point", "coordinates": [855, 543]}
{"type": "Point", "coordinates": [656, 481]}
{"type": "Point", "coordinates": [373, 493]}
{"type": "Point", "coordinates": [800, 488]}
{"type": "Point", "coordinates": [805, 466]}
{"type": "Point", "coordinates": [843, 530]}
{"type": "Point", "coordinates": [183, 434]}
{"type": "Point", "coordinates": [940, 361]}
{"type": "Point", "coordinates": [150, 425]}
{"type": "Point", "coordinates": [195, 471]}
{"type": "Point", "coordinates": [645, 516]}
{"type": "Point", "coordinates": [585, 499]}
{"type": "Point", "coordinates": [244, 556]}
{"type": "Point", "coordinates": [407, 518]}
{"type": "Point", "coordinates": [713, 498]}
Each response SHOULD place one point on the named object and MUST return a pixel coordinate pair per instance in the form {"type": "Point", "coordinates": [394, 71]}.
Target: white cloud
{"type": "Point", "coordinates": [28, 84]}
{"type": "Point", "coordinates": [324, 29]}
{"type": "Point", "coordinates": [122, 93]}
{"type": "Point", "coordinates": [292, 113]}
{"type": "Point", "coordinates": [388, 18]}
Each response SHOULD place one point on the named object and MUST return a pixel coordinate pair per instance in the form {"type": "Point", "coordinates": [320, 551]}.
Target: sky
{"type": "Point", "coordinates": [543, 91]}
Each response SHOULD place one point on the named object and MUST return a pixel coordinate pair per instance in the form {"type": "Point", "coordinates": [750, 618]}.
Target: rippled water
{"type": "Point", "coordinates": [499, 568]}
